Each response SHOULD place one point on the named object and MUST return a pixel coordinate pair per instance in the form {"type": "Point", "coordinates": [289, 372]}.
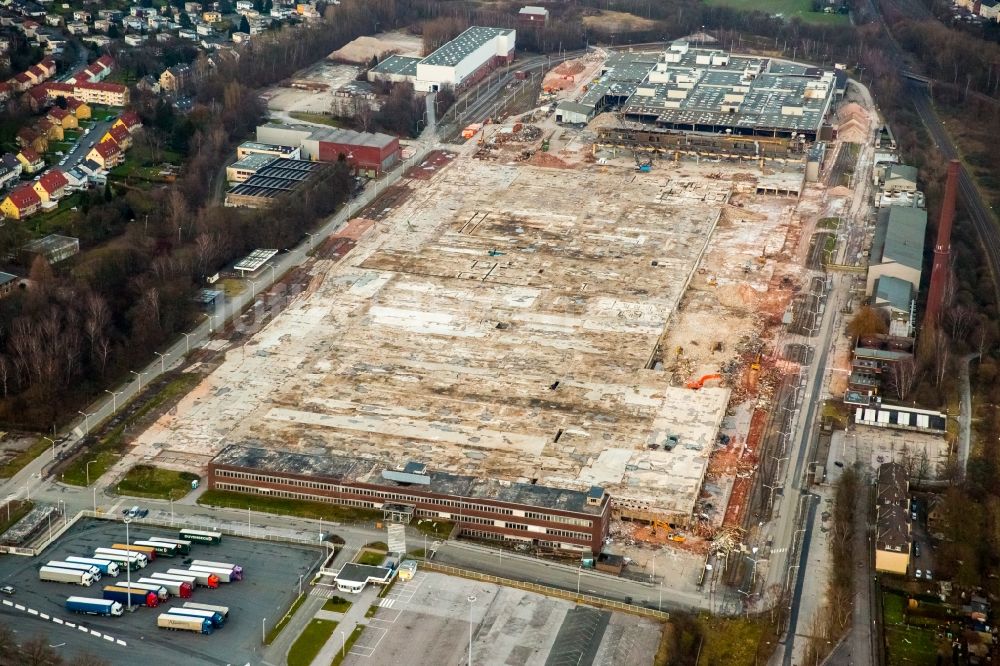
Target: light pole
{"type": "Point", "coordinates": [311, 237]}
{"type": "Point", "coordinates": [187, 342]}
{"type": "Point", "coordinates": [579, 572]}
{"type": "Point", "coordinates": [95, 500]}
{"type": "Point", "coordinates": [63, 503]}
{"type": "Point", "coordinates": [52, 442]}
{"type": "Point", "coordinates": [114, 399]}
{"type": "Point", "coordinates": [86, 421]}
{"type": "Point", "coordinates": [271, 266]}
{"type": "Point", "coordinates": [788, 580]}
{"type": "Point", "coordinates": [87, 468]}
{"type": "Point", "coordinates": [163, 367]}
{"type": "Point", "coordinates": [253, 290]}
{"type": "Point", "coordinates": [128, 564]}
{"type": "Point", "coordinates": [138, 378]}
{"type": "Point", "coordinates": [263, 631]}
{"type": "Point", "coordinates": [300, 585]}
{"type": "Point", "coordinates": [753, 572]}
{"type": "Point", "coordinates": [472, 600]}
{"type": "Point", "coordinates": [171, 511]}
{"type": "Point", "coordinates": [343, 644]}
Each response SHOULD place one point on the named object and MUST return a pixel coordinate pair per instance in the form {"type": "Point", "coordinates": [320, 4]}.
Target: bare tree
{"type": "Point", "coordinates": [5, 369]}
{"type": "Point", "coordinates": [903, 376]}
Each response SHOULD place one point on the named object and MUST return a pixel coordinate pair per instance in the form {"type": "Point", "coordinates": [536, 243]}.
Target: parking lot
{"type": "Point", "coordinates": [271, 582]}
{"type": "Point", "coordinates": [426, 621]}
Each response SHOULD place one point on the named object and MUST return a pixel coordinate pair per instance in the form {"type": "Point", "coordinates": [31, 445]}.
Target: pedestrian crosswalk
{"type": "Point", "coordinates": [386, 603]}
{"type": "Point", "coordinates": [774, 551]}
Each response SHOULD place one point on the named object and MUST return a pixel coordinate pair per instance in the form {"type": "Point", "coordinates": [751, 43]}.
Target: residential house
{"type": "Point", "coordinates": [28, 137]}
{"type": "Point", "coordinates": [130, 120]}
{"type": "Point", "coordinates": [77, 28]}
{"type": "Point", "coordinates": [89, 167]}
{"type": "Point", "coordinates": [5, 91]}
{"type": "Point", "coordinates": [211, 17]}
{"type": "Point", "coordinates": [192, 7]}
{"type": "Point", "coordinates": [8, 175]}
{"type": "Point", "coordinates": [176, 79]}
{"type": "Point", "coordinates": [204, 30]}
{"type": "Point", "coordinates": [31, 161]}
{"type": "Point", "coordinates": [82, 15]}
{"type": "Point", "coordinates": [102, 25]}
{"type": "Point", "coordinates": [106, 154]}
{"type": "Point", "coordinates": [21, 202]}
{"type": "Point", "coordinates": [51, 186]}
{"type": "Point", "coordinates": [892, 523]}
{"type": "Point", "coordinates": [100, 41]}
{"type": "Point", "coordinates": [53, 20]}
{"type": "Point", "coordinates": [135, 40]}
{"type": "Point", "coordinates": [990, 10]}
{"type": "Point", "coordinates": [76, 180]}
{"type": "Point", "coordinates": [108, 94]}
{"type": "Point", "coordinates": [8, 283]}
{"type": "Point", "coordinates": [532, 17]}
{"type": "Point", "coordinates": [10, 162]}
{"type": "Point", "coordinates": [20, 82]}
{"type": "Point", "coordinates": [240, 37]}
{"type": "Point", "coordinates": [79, 108]}
{"type": "Point", "coordinates": [243, 5]}
{"type": "Point", "coordinates": [120, 135]}
{"type": "Point", "coordinates": [186, 34]}
{"type": "Point", "coordinates": [63, 118]}
{"type": "Point", "coordinates": [51, 131]}
{"type": "Point", "coordinates": [148, 84]}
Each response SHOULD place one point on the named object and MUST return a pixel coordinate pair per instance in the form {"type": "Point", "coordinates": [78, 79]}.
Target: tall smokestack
{"type": "Point", "coordinates": [942, 250]}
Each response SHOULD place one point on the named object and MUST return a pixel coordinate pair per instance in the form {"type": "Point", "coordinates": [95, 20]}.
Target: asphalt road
{"type": "Point", "coordinates": [87, 142]}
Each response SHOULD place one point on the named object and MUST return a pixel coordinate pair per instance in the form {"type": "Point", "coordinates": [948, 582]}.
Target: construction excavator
{"type": "Point", "coordinates": [700, 382]}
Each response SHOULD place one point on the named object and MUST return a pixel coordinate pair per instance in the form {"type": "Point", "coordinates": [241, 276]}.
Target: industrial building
{"type": "Point", "coordinates": [253, 148]}
{"type": "Point", "coordinates": [278, 177]}
{"type": "Point", "coordinates": [241, 170]}
{"type": "Point", "coordinates": [748, 105]}
{"type": "Point", "coordinates": [544, 516]}
{"type": "Point", "coordinates": [898, 246]}
{"type": "Point", "coordinates": [459, 63]}
{"type": "Point", "coordinates": [370, 153]}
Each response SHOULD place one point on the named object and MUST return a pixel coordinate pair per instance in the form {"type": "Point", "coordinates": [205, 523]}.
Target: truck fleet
{"type": "Point", "coordinates": [203, 578]}
{"type": "Point", "coordinates": [131, 596]}
{"type": "Point", "coordinates": [89, 568]}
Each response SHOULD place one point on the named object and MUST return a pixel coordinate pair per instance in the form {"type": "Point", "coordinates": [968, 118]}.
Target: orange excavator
{"type": "Point", "coordinates": [698, 383]}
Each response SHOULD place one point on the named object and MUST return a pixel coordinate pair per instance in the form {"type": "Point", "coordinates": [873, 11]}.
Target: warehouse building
{"type": "Point", "coordinates": [898, 246]}
{"type": "Point", "coordinates": [459, 63]}
{"type": "Point", "coordinates": [253, 148]}
{"type": "Point", "coordinates": [278, 177]}
{"type": "Point", "coordinates": [547, 517]}
{"type": "Point", "coordinates": [241, 170]}
{"type": "Point", "coordinates": [369, 153]}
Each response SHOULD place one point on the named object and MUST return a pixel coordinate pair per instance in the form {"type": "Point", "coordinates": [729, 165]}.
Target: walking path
{"type": "Point", "coordinates": [964, 414]}
{"type": "Point", "coordinates": [354, 616]}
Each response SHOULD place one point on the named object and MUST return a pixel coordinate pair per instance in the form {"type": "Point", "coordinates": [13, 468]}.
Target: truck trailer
{"type": "Point", "coordinates": [183, 545]}
{"type": "Point", "coordinates": [184, 623]}
{"type": "Point", "coordinates": [213, 616]}
{"type": "Point", "coordinates": [143, 560]}
{"type": "Point", "coordinates": [122, 561]}
{"type": "Point", "coordinates": [107, 567]}
{"type": "Point", "coordinates": [162, 549]}
{"type": "Point", "coordinates": [177, 578]}
{"type": "Point", "coordinates": [148, 551]}
{"type": "Point", "coordinates": [201, 536]}
{"type": "Point", "coordinates": [135, 597]}
{"type": "Point", "coordinates": [224, 575]}
{"type": "Point", "coordinates": [89, 606]}
{"type": "Point", "coordinates": [89, 568]}
{"type": "Point", "coordinates": [209, 607]}
{"type": "Point", "coordinates": [204, 578]}
{"type": "Point", "coordinates": [58, 575]}
{"type": "Point", "coordinates": [235, 568]}
{"type": "Point", "coordinates": [177, 588]}
{"type": "Point", "coordinates": [157, 588]}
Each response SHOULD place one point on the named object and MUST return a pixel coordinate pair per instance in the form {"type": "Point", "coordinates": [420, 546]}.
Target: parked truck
{"type": "Point", "coordinates": [89, 568]}
{"type": "Point", "coordinates": [143, 560]}
{"type": "Point", "coordinates": [176, 622]}
{"type": "Point", "coordinates": [190, 578]}
{"type": "Point", "coordinates": [148, 551]}
{"type": "Point", "coordinates": [177, 588]}
{"type": "Point", "coordinates": [156, 588]}
{"type": "Point", "coordinates": [90, 606]}
{"type": "Point", "coordinates": [183, 545]}
{"type": "Point", "coordinates": [107, 567]}
{"type": "Point", "coordinates": [214, 617]}
{"type": "Point", "coordinates": [162, 549]}
{"type": "Point", "coordinates": [58, 575]}
{"type": "Point", "coordinates": [204, 578]}
{"type": "Point", "coordinates": [132, 562]}
{"type": "Point", "coordinates": [209, 607]}
{"type": "Point", "coordinates": [235, 568]}
{"type": "Point", "coordinates": [134, 596]}
{"type": "Point", "coordinates": [224, 575]}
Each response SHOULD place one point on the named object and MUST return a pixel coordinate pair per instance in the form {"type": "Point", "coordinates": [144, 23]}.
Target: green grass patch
{"type": "Point", "coordinates": [288, 507]}
{"type": "Point", "coordinates": [378, 545]}
{"type": "Point", "coordinates": [346, 649]}
{"type": "Point", "coordinates": [439, 529]}
{"type": "Point", "coordinates": [276, 629]}
{"type": "Point", "coordinates": [387, 588]}
{"type": "Point", "coordinates": [107, 449]}
{"type": "Point", "coordinates": [156, 482]}
{"type": "Point", "coordinates": [310, 642]}
{"type": "Point", "coordinates": [909, 645]}
{"type": "Point", "coordinates": [231, 286]}
{"type": "Point", "coordinates": [371, 559]}
{"type": "Point", "coordinates": [337, 605]}
{"type": "Point", "coordinates": [371, 611]}
{"type": "Point", "coordinates": [417, 554]}
{"type": "Point", "coordinates": [829, 223]}
{"type": "Point", "coordinates": [15, 464]}
{"type": "Point", "coordinates": [729, 640]}
{"type": "Point", "coordinates": [894, 609]}
{"type": "Point", "coordinates": [13, 511]}
{"type": "Point", "coordinates": [788, 9]}
{"type": "Point", "coordinates": [318, 118]}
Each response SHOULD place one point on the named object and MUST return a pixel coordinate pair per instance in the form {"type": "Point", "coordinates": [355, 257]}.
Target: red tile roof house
{"type": "Point", "coordinates": [30, 160]}
{"type": "Point", "coordinates": [5, 91]}
{"type": "Point", "coordinates": [51, 186]}
{"type": "Point", "coordinates": [23, 202]}
{"type": "Point", "coordinates": [21, 82]}
{"type": "Point", "coordinates": [131, 121]}
{"type": "Point", "coordinates": [107, 154]}
{"type": "Point", "coordinates": [120, 136]}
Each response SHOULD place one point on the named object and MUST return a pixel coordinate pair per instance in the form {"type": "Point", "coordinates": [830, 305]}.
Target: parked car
{"type": "Point", "coordinates": [919, 573]}
{"type": "Point", "coordinates": [7, 589]}
{"type": "Point", "coordinates": [927, 575]}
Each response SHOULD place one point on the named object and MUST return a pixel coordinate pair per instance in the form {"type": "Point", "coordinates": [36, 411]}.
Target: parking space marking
{"type": "Point", "coordinates": [367, 650]}
{"type": "Point", "coordinates": [386, 603]}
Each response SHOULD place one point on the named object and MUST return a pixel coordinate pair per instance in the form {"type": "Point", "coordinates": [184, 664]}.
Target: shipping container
{"type": "Point", "coordinates": [201, 536]}
{"type": "Point", "coordinates": [204, 578]}
{"type": "Point", "coordinates": [214, 616]}
{"type": "Point", "coordinates": [183, 545]}
{"type": "Point", "coordinates": [107, 567]}
{"type": "Point", "coordinates": [135, 597]}
{"type": "Point", "coordinates": [209, 607]}
{"type": "Point", "coordinates": [89, 568]}
{"type": "Point", "coordinates": [184, 623]}
{"type": "Point", "coordinates": [178, 588]}
{"type": "Point", "coordinates": [57, 575]}
{"type": "Point", "coordinates": [90, 606]}
{"type": "Point", "coordinates": [235, 568]}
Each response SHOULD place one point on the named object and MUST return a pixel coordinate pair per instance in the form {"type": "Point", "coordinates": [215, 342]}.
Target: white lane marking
{"type": "Point", "coordinates": [95, 633]}
{"type": "Point", "coordinates": [32, 611]}
{"type": "Point", "coordinates": [8, 603]}
{"type": "Point", "coordinates": [57, 620]}
{"type": "Point", "coordinates": [83, 629]}
{"type": "Point", "coordinates": [72, 625]}
{"type": "Point", "coordinates": [43, 616]}
{"type": "Point", "coordinates": [119, 641]}
{"type": "Point", "coordinates": [109, 638]}
{"type": "Point", "coordinates": [18, 606]}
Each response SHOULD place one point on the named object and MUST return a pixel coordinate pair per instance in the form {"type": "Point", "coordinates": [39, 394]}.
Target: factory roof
{"type": "Point", "coordinates": [337, 135]}
{"type": "Point", "coordinates": [361, 470]}
{"type": "Point", "coordinates": [397, 65]}
{"type": "Point", "coordinates": [462, 46]}
{"type": "Point", "coordinates": [894, 291]}
{"type": "Point", "coordinates": [254, 161]}
{"type": "Point", "coordinates": [899, 236]}
{"type": "Point", "coordinates": [254, 260]}
{"type": "Point", "coordinates": [277, 177]}
{"type": "Point", "coordinates": [253, 145]}
{"type": "Point", "coordinates": [904, 171]}
{"type": "Point", "coordinates": [50, 243]}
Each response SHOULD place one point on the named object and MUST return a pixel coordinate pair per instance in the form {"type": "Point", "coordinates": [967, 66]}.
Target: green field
{"type": "Point", "coordinates": [289, 507]}
{"type": "Point", "coordinates": [337, 605]}
{"type": "Point", "coordinates": [801, 9]}
{"type": "Point", "coordinates": [310, 642]}
{"type": "Point", "coordinates": [371, 559]}
{"type": "Point", "coordinates": [157, 483]}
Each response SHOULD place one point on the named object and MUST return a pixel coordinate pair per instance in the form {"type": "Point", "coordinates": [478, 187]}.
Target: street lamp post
{"type": "Point", "coordinates": [311, 236]}
{"type": "Point", "coordinates": [128, 567]}
{"type": "Point", "coordinates": [163, 367]}
{"type": "Point", "coordinates": [271, 266]}
{"type": "Point", "coordinates": [343, 644]}
{"type": "Point", "coordinates": [300, 585]}
{"type": "Point", "coordinates": [52, 442]}
{"type": "Point", "coordinates": [138, 378]}
{"type": "Point", "coordinates": [472, 600]}
{"type": "Point", "coordinates": [63, 504]}
{"type": "Point", "coordinates": [114, 399]}
{"type": "Point", "coordinates": [95, 500]}
{"type": "Point", "coordinates": [86, 421]}
{"type": "Point", "coordinates": [187, 342]}
{"type": "Point", "coordinates": [87, 468]}
{"type": "Point", "coordinates": [788, 579]}
{"type": "Point", "coordinates": [263, 631]}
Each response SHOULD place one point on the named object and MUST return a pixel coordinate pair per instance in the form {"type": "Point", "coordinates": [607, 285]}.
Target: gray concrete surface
{"type": "Point", "coordinates": [271, 583]}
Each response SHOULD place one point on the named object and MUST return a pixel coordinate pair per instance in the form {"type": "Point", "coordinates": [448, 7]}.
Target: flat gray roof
{"type": "Point", "coordinates": [899, 236]}
{"type": "Point", "coordinates": [459, 48]}
{"type": "Point", "coordinates": [897, 292]}
{"type": "Point", "coordinates": [362, 573]}
{"type": "Point", "coordinates": [254, 161]}
{"type": "Point", "coordinates": [345, 468]}
{"type": "Point", "coordinates": [397, 65]}
{"type": "Point", "coordinates": [254, 145]}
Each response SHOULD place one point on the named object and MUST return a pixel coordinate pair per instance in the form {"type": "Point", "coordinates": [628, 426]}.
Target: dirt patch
{"type": "Point", "coordinates": [435, 161]}
{"type": "Point", "coordinates": [362, 49]}
{"type": "Point", "coordinates": [618, 22]}
{"type": "Point", "coordinates": [548, 160]}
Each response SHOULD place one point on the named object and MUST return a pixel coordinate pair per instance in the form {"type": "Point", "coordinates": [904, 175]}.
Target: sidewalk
{"type": "Point", "coordinates": [354, 616]}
